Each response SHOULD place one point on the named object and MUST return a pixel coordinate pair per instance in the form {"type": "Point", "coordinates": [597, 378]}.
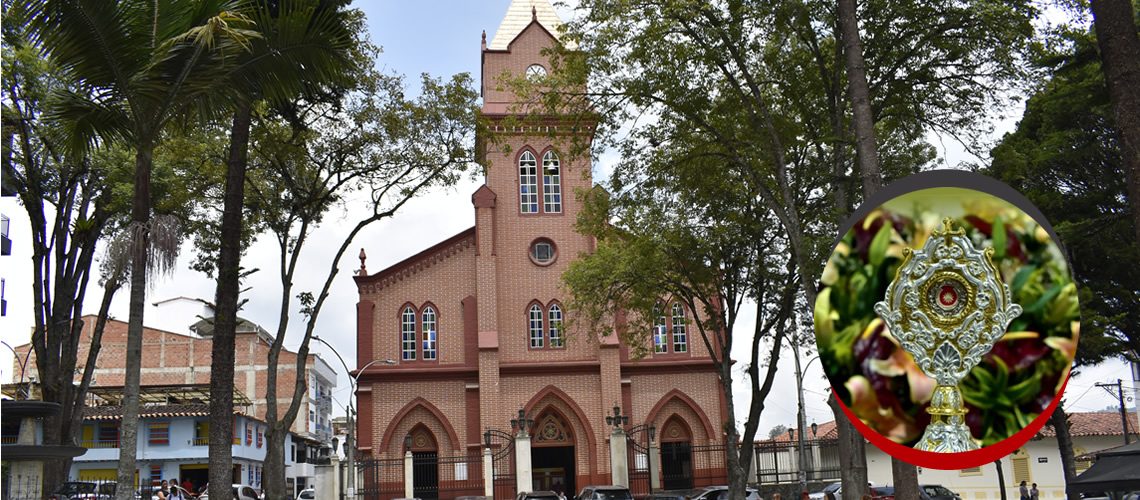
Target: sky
{"type": "Point", "coordinates": [441, 38]}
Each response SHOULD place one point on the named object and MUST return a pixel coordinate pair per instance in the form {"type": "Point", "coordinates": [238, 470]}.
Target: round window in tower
{"type": "Point", "coordinates": [543, 252]}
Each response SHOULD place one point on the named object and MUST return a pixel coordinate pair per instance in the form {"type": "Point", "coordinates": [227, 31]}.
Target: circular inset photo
{"type": "Point", "coordinates": [947, 321]}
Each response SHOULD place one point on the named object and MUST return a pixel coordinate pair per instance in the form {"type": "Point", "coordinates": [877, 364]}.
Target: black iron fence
{"type": "Point", "coordinates": [637, 446]}
{"type": "Point", "coordinates": [502, 447]}
{"type": "Point", "coordinates": [778, 461]}
{"type": "Point", "coordinates": [377, 479]}
{"type": "Point", "coordinates": [710, 465]}
{"type": "Point", "coordinates": [460, 475]}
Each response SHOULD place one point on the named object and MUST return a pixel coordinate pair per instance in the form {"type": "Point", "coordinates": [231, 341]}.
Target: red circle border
{"type": "Point", "coordinates": [954, 461]}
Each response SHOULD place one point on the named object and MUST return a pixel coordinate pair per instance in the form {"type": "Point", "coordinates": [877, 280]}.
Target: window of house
{"type": "Point", "coordinates": [155, 474]}
{"type": "Point", "coordinates": [248, 434]}
{"type": "Point", "coordinates": [660, 330]}
{"type": "Point", "coordinates": [260, 437]}
{"type": "Point", "coordinates": [201, 433]}
{"type": "Point", "coordinates": [108, 437]}
{"type": "Point", "coordinates": [680, 336]}
{"type": "Point", "coordinates": [429, 329]}
{"type": "Point", "coordinates": [557, 339]}
{"type": "Point", "coordinates": [158, 433]}
{"type": "Point", "coordinates": [1020, 465]}
{"type": "Point", "coordinates": [551, 183]}
{"type": "Point", "coordinates": [528, 183]}
{"type": "Point", "coordinates": [536, 330]}
{"type": "Point", "coordinates": [408, 334]}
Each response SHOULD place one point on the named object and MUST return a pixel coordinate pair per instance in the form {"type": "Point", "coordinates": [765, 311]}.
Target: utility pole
{"type": "Point", "coordinates": [1120, 397]}
{"type": "Point", "coordinates": [800, 420]}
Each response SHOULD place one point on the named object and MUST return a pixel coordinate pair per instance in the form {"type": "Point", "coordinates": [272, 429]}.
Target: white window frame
{"type": "Point", "coordinates": [680, 332]}
{"type": "Point", "coordinates": [408, 334]}
{"type": "Point", "coordinates": [528, 183]}
{"type": "Point", "coordinates": [430, 334]}
{"type": "Point", "coordinates": [557, 337]}
{"type": "Point", "coordinates": [535, 326]}
{"type": "Point", "coordinates": [551, 183]}
{"type": "Point", "coordinates": [660, 330]}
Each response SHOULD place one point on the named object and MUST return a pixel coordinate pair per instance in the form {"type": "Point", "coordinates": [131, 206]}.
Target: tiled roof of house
{"type": "Point", "coordinates": [150, 411]}
{"type": "Point", "coordinates": [1101, 423]}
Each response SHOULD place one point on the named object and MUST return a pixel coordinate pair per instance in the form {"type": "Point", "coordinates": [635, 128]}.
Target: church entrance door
{"type": "Point", "coordinates": [553, 469]}
{"type": "Point", "coordinates": [552, 454]}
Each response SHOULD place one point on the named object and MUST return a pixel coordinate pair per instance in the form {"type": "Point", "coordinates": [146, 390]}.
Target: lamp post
{"type": "Point", "coordinates": [350, 413]}
{"type": "Point", "coordinates": [800, 417]}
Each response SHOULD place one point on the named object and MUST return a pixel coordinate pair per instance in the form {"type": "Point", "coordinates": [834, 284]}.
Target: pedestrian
{"type": "Point", "coordinates": [1033, 493]}
{"type": "Point", "coordinates": [775, 496]}
{"type": "Point", "coordinates": [163, 490]}
{"type": "Point", "coordinates": [187, 485]}
{"type": "Point", "coordinates": [176, 492]}
{"type": "Point", "coordinates": [1023, 491]}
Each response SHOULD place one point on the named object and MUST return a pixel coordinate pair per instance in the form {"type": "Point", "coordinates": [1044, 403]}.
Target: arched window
{"type": "Point", "coordinates": [680, 337]}
{"type": "Point", "coordinates": [551, 183]}
{"type": "Point", "coordinates": [408, 334]}
{"type": "Point", "coordinates": [428, 327]}
{"type": "Point", "coordinates": [536, 332]}
{"type": "Point", "coordinates": [660, 330]}
{"type": "Point", "coordinates": [556, 335]}
{"type": "Point", "coordinates": [528, 183]}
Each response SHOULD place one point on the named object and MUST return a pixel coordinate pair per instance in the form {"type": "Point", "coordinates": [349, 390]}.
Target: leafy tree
{"type": "Point", "coordinates": [777, 430]}
{"type": "Point", "coordinates": [1065, 156]}
{"type": "Point", "coordinates": [309, 161]}
{"type": "Point", "coordinates": [1119, 44]}
{"type": "Point", "coordinates": [136, 67]}
{"type": "Point", "coordinates": [299, 48]}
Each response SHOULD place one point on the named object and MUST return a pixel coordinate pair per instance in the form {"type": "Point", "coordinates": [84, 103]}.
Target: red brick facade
{"type": "Point", "coordinates": [481, 284]}
{"type": "Point", "coordinates": [175, 359]}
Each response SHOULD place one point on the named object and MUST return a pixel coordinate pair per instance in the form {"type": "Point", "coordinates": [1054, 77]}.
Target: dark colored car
{"type": "Point", "coordinates": [74, 490]}
{"type": "Point", "coordinates": [538, 495]}
{"type": "Point", "coordinates": [936, 492]}
{"type": "Point", "coordinates": [832, 489]}
{"type": "Point", "coordinates": [667, 495]}
{"type": "Point", "coordinates": [605, 493]}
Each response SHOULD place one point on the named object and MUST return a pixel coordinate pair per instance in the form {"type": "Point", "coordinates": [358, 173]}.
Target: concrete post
{"type": "Point", "coordinates": [619, 458]}
{"type": "Point", "coordinates": [409, 477]}
{"type": "Point", "coordinates": [488, 474]}
{"type": "Point", "coordinates": [523, 479]}
{"type": "Point", "coordinates": [654, 468]}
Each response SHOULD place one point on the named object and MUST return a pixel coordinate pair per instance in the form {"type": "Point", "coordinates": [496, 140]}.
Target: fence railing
{"type": "Point", "coordinates": [99, 443]}
{"type": "Point", "coordinates": [378, 479]}
{"type": "Point", "coordinates": [779, 461]}
{"type": "Point", "coordinates": [710, 464]}
{"type": "Point", "coordinates": [459, 475]}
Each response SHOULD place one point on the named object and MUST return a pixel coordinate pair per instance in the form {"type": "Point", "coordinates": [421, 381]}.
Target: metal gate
{"type": "Point", "coordinates": [502, 446]}
{"type": "Point", "coordinates": [377, 479]}
{"type": "Point", "coordinates": [637, 445]}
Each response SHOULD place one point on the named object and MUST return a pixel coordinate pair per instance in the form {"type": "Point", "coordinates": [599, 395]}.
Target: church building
{"type": "Point", "coordinates": [474, 324]}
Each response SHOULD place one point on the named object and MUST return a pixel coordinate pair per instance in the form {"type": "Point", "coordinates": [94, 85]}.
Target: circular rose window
{"type": "Point", "coordinates": [543, 252]}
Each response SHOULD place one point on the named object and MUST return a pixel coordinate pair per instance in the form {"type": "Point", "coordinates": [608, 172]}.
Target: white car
{"type": "Point", "coordinates": [307, 494]}
{"type": "Point", "coordinates": [241, 492]}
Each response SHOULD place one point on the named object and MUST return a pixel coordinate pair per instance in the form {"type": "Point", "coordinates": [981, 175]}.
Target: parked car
{"type": "Point", "coordinates": [538, 495]}
{"type": "Point", "coordinates": [667, 495]}
{"type": "Point", "coordinates": [241, 492]}
{"type": "Point", "coordinates": [74, 490]}
{"type": "Point", "coordinates": [936, 492]}
{"type": "Point", "coordinates": [721, 493]}
{"type": "Point", "coordinates": [605, 493]}
{"type": "Point", "coordinates": [307, 494]}
{"type": "Point", "coordinates": [833, 489]}
{"type": "Point", "coordinates": [883, 493]}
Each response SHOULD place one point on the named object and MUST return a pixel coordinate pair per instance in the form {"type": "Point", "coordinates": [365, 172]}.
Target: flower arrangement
{"type": "Point", "coordinates": [880, 382]}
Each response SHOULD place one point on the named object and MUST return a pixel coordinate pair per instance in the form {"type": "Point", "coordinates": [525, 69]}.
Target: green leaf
{"type": "Point", "coordinates": [1044, 300]}
{"type": "Point", "coordinates": [999, 238]}
{"type": "Point", "coordinates": [879, 245]}
{"type": "Point", "coordinates": [1022, 277]}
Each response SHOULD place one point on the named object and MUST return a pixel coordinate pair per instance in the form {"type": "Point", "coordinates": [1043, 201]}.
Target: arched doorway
{"type": "Point", "coordinates": [676, 454]}
{"type": "Point", "coordinates": [425, 462]}
{"type": "Point", "coordinates": [552, 453]}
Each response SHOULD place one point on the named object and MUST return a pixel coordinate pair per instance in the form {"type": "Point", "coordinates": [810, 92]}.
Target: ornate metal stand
{"type": "Point", "coordinates": [947, 306]}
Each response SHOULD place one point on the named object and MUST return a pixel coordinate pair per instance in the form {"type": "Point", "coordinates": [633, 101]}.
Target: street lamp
{"type": "Point", "coordinates": [800, 417]}
{"type": "Point", "coordinates": [617, 420]}
{"type": "Point", "coordinates": [521, 424]}
{"type": "Point", "coordinates": [350, 413]}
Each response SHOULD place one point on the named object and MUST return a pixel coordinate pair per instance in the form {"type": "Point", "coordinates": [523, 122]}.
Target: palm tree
{"type": "Point", "coordinates": [303, 51]}
{"type": "Point", "coordinates": [138, 66]}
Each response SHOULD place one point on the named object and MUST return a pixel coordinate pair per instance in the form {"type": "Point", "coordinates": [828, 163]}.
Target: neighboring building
{"type": "Point", "coordinates": [175, 359]}
{"type": "Point", "coordinates": [475, 321]}
{"type": "Point", "coordinates": [1038, 461]}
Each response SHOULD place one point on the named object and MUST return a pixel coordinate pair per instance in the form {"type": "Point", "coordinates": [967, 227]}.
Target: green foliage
{"type": "Point", "coordinates": [1065, 157]}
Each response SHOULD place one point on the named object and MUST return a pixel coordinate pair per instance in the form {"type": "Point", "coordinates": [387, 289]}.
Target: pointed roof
{"type": "Point", "coordinates": [519, 16]}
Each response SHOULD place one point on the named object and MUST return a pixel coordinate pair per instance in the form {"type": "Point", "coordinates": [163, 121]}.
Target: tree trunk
{"type": "Point", "coordinates": [906, 479]}
{"type": "Point", "coordinates": [1119, 44]}
{"type": "Point", "coordinates": [273, 475]}
{"type": "Point", "coordinates": [865, 146]}
{"type": "Point", "coordinates": [852, 454]}
{"type": "Point", "coordinates": [140, 239]}
{"type": "Point", "coordinates": [225, 313]}
{"type": "Point", "coordinates": [1060, 421]}
{"type": "Point", "coordinates": [737, 476]}
{"type": "Point", "coordinates": [1001, 478]}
